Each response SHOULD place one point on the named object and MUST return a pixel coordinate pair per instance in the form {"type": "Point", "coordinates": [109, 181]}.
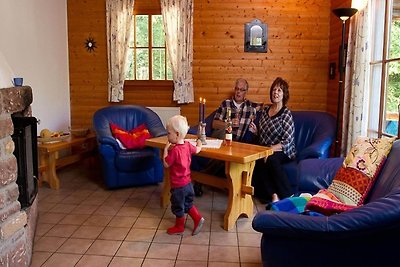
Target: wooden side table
{"type": "Point", "coordinates": [80, 147]}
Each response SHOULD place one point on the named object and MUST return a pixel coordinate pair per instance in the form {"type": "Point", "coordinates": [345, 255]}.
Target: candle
{"type": "Point", "coordinates": [204, 108]}
{"type": "Point", "coordinates": [200, 110]}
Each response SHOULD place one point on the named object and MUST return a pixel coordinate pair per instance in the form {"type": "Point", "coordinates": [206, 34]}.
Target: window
{"type": "Point", "coordinates": [385, 68]}
{"type": "Point", "coordinates": [147, 55]}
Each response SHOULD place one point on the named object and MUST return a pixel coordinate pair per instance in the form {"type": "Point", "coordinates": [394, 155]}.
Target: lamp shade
{"type": "Point", "coordinates": [344, 13]}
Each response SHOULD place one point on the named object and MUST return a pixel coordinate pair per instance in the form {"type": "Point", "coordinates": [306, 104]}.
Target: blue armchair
{"type": "Point", "coordinates": [128, 167]}
{"type": "Point", "coordinates": [363, 236]}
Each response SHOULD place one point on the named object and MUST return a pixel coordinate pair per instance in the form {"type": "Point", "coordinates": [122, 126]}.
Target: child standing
{"type": "Point", "coordinates": [177, 157]}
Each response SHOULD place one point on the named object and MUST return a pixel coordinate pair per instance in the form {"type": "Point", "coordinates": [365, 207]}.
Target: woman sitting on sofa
{"type": "Point", "coordinates": [275, 129]}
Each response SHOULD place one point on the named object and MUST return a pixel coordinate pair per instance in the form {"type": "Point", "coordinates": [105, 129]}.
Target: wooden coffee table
{"type": "Point", "coordinates": [79, 148]}
{"type": "Point", "coordinates": [240, 159]}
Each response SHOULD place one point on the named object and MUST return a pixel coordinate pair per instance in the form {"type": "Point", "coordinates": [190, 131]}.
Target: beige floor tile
{"type": "Point", "coordinates": [62, 230]}
{"type": "Point", "coordinates": [126, 262]}
{"type": "Point", "coordinates": [249, 239]}
{"type": "Point", "coordinates": [114, 233]}
{"type": "Point", "coordinates": [87, 231]}
{"type": "Point", "coordinates": [136, 203]}
{"type": "Point", "coordinates": [223, 239]}
{"type": "Point", "coordinates": [48, 243]}
{"type": "Point", "coordinates": [152, 213]}
{"type": "Point", "coordinates": [98, 220]}
{"type": "Point", "coordinates": [62, 260]}
{"type": "Point", "coordinates": [250, 254]}
{"type": "Point", "coordinates": [75, 246]}
{"type": "Point", "coordinates": [43, 228]}
{"type": "Point", "coordinates": [246, 264]}
{"type": "Point", "coordinates": [158, 263]}
{"type": "Point", "coordinates": [133, 249]}
{"type": "Point", "coordinates": [106, 210]}
{"type": "Point", "coordinates": [93, 200]}
{"type": "Point", "coordinates": [50, 217]}
{"type": "Point", "coordinates": [94, 261]}
{"type": "Point", "coordinates": [193, 252]}
{"type": "Point", "coordinates": [63, 208]}
{"type": "Point", "coordinates": [203, 238]}
{"type": "Point", "coordinates": [44, 207]}
{"type": "Point", "coordinates": [74, 219]}
{"type": "Point", "coordinates": [122, 221]}
{"type": "Point", "coordinates": [166, 222]}
{"type": "Point", "coordinates": [224, 254]}
{"type": "Point", "coordinates": [104, 247]}
{"type": "Point", "coordinates": [129, 211]}
{"type": "Point", "coordinates": [84, 209]}
{"type": "Point", "coordinates": [162, 251]}
{"type": "Point", "coordinates": [223, 264]}
{"type": "Point", "coordinates": [53, 198]}
{"type": "Point", "coordinates": [180, 263]}
{"type": "Point", "coordinates": [244, 225]}
{"type": "Point", "coordinates": [163, 237]}
{"type": "Point", "coordinates": [73, 199]}
{"type": "Point", "coordinates": [127, 227]}
{"type": "Point", "coordinates": [147, 223]}
{"type": "Point", "coordinates": [39, 257]}
{"type": "Point", "coordinates": [116, 203]}
{"type": "Point", "coordinates": [141, 235]}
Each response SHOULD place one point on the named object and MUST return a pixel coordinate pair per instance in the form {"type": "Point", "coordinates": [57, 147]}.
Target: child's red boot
{"type": "Point", "coordinates": [197, 219]}
{"type": "Point", "coordinates": [179, 226]}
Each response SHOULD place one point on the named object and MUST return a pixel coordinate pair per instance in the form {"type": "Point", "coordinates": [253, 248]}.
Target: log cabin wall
{"type": "Point", "coordinates": [299, 50]}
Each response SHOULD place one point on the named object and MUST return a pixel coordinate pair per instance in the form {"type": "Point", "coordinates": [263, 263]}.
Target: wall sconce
{"type": "Point", "coordinates": [255, 36]}
{"type": "Point", "coordinates": [344, 14]}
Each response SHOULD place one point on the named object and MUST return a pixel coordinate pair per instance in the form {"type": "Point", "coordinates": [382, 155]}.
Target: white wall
{"type": "Point", "coordinates": [33, 41]}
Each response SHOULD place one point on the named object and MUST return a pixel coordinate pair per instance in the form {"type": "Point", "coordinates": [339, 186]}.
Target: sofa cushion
{"type": "Point", "coordinates": [355, 177]}
{"type": "Point", "coordinates": [133, 139]}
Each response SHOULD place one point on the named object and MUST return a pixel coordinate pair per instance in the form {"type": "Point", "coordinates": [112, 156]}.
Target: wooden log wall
{"type": "Point", "coordinates": [300, 48]}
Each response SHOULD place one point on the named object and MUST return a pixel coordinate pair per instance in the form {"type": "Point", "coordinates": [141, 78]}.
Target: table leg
{"type": "Point", "coordinates": [51, 174]}
{"type": "Point", "coordinates": [239, 185]}
{"type": "Point", "coordinates": [166, 192]}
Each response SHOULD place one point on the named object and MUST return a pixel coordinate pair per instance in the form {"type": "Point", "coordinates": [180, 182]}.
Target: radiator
{"type": "Point", "coordinates": [166, 112]}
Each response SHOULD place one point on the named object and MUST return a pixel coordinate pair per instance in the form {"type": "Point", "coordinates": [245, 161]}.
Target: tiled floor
{"type": "Point", "coordinates": [83, 224]}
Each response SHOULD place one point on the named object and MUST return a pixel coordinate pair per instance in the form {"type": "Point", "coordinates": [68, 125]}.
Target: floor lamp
{"type": "Point", "coordinates": [344, 14]}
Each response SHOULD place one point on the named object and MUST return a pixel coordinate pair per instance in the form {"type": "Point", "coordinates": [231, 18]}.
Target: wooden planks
{"type": "Point", "coordinates": [301, 43]}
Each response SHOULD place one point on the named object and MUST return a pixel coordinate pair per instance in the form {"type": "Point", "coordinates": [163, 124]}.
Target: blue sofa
{"type": "Point", "coordinates": [314, 135]}
{"type": "Point", "coordinates": [364, 236]}
{"type": "Point", "coordinates": [128, 167]}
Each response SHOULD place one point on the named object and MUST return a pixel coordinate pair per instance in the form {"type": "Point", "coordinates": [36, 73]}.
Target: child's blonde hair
{"type": "Point", "coordinates": [179, 123]}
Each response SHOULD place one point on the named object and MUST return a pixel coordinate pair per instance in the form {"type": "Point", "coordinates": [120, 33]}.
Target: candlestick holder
{"type": "Point", "coordinates": [201, 133]}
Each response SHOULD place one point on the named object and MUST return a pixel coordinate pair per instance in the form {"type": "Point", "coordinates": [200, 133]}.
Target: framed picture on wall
{"type": "Point", "coordinates": [255, 36]}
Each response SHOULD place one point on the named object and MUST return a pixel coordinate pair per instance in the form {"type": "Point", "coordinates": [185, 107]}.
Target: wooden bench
{"type": "Point", "coordinates": [77, 148]}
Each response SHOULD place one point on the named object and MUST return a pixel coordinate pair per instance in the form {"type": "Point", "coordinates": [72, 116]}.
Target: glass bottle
{"type": "Point", "coordinates": [228, 128]}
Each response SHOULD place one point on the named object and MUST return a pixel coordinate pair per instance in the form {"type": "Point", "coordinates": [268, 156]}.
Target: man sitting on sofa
{"type": "Point", "coordinates": [243, 112]}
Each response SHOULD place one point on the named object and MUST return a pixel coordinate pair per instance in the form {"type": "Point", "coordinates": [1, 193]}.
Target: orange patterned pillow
{"type": "Point", "coordinates": [355, 178]}
{"type": "Point", "coordinates": [132, 139]}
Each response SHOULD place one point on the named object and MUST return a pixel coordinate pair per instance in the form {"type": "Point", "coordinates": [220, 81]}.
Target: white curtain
{"type": "Point", "coordinates": [119, 22]}
{"type": "Point", "coordinates": [356, 81]}
{"type": "Point", "coordinates": [178, 26]}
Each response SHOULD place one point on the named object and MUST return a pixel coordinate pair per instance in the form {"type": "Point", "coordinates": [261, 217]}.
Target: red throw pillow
{"type": "Point", "coordinates": [132, 139]}
{"type": "Point", "coordinates": [355, 178]}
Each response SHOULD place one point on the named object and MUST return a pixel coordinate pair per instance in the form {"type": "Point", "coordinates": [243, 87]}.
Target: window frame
{"type": "Point", "coordinates": [383, 64]}
{"type": "Point", "coordinates": [150, 82]}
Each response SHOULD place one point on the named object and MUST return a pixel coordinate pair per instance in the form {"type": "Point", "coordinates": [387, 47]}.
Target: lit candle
{"type": "Point", "coordinates": [204, 108]}
{"type": "Point", "coordinates": [200, 110]}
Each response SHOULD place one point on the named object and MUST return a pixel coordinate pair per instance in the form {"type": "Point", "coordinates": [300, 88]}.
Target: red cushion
{"type": "Point", "coordinates": [355, 178]}
{"type": "Point", "coordinates": [132, 139]}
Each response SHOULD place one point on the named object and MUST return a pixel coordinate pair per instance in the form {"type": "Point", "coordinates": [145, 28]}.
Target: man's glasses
{"type": "Point", "coordinates": [240, 89]}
